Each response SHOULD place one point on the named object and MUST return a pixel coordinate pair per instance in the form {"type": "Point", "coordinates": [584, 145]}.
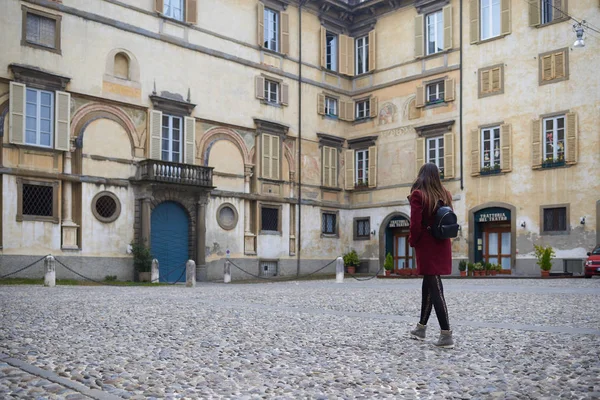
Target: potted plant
{"type": "Point", "coordinates": [493, 269]}
{"type": "Point", "coordinates": [142, 261]}
{"type": "Point", "coordinates": [388, 264]}
{"type": "Point", "coordinates": [544, 257]}
{"type": "Point", "coordinates": [351, 261]}
{"type": "Point", "coordinates": [462, 267]}
{"type": "Point", "coordinates": [478, 269]}
{"type": "Point", "coordinates": [471, 268]}
{"type": "Point", "coordinates": [488, 268]}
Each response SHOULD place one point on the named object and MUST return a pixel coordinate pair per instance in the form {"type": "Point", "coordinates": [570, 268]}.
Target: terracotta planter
{"type": "Point", "coordinates": [463, 273]}
{"type": "Point", "coordinates": [413, 272]}
{"type": "Point", "coordinates": [545, 274]}
{"type": "Point", "coordinates": [388, 272]}
{"type": "Point", "coordinates": [494, 272]}
{"type": "Point", "coordinates": [351, 269]}
{"type": "Point", "coordinates": [144, 276]}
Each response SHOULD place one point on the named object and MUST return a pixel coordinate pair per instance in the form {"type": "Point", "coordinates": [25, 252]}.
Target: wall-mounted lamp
{"type": "Point", "coordinates": [523, 225]}
{"type": "Point", "coordinates": [578, 28]}
{"type": "Point", "coordinates": [582, 220]}
{"type": "Point", "coordinates": [373, 232]}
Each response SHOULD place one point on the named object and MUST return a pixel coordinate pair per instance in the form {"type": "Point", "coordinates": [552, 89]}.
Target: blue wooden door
{"type": "Point", "coordinates": [169, 240]}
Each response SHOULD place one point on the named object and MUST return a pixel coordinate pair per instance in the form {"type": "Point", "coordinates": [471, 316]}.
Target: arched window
{"type": "Point", "coordinates": [121, 68]}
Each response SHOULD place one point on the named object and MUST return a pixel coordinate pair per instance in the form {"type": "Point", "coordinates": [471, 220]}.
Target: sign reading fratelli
{"type": "Point", "coordinates": [492, 217]}
{"type": "Point", "coordinates": [398, 223]}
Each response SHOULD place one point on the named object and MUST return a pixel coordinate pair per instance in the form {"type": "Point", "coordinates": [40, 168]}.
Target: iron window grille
{"type": "Point", "coordinates": [328, 223]}
{"type": "Point", "coordinates": [38, 200]}
{"type": "Point", "coordinates": [270, 219]}
{"type": "Point", "coordinates": [555, 219]}
{"type": "Point", "coordinates": [363, 228]}
{"type": "Point", "coordinates": [269, 268]}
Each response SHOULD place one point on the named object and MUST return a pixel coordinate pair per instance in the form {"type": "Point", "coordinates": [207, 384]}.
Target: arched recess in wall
{"type": "Point", "coordinates": [122, 64]}
{"type": "Point", "coordinates": [382, 229]}
{"type": "Point", "coordinates": [213, 135]}
{"type": "Point", "coordinates": [410, 109]}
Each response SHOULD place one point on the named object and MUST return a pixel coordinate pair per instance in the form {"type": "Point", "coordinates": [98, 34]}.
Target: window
{"type": "Point", "coordinates": [435, 32]}
{"type": "Point", "coordinates": [37, 200]}
{"type": "Point", "coordinates": [271, 32]}
{"type": "Point", "coordinates": [362, 167]}
{"type": "Point", "coordinates": [106, 207]}
{"type": "Point", "coordinates": [435, 152]}
{"type": "Point", "coordinates": [547, 11]}
{"type": "Point", "coordinates": [555, 219]}
{"type": "Point", "coordinates": [39, 105]}
{"type": "Point", "coordinates": [554, 139]}
{"type": "Point", "coordinates": [554, 66]}
{"type": "Point", "coordinates": [173, 9]}
{"type": "Point", "coordinates": [331, 54]}
{"type": "Point", "coordinates": [362, 109]}
{"type": "Point", "coordinates": [268, 268]}
{"type": "Point", "coordinates": [269, 219]}
{"type": "Point", "coordinates": [490, 19]}
{"type": "Point", "coordinates": [362, 55]}
{"type": "Point", "coordinates": [491, 81]}
{"type": "Point", "coordinates": [329, 223]}
{"type": "Point", "coordinates": [41, 30]}
{"type": "Point", "coordinates": [171, 138]}
{"type": "Point", "coordinates": [435, 92]}
{"type": "Point", "coordinates": [490, 153]}
{"type": "Point", "coordinates": [330, 168]}
{"type": "Point", "coordinates": [362, 228]}
{"type": "Point", "coordinates": [331, 106]}
{"type": "Point", "coordinates": [271, 91]}
{"type": "Point", "coordinates": [227, 216]}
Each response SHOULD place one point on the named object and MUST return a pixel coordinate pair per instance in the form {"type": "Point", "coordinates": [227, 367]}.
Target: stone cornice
{"type": "Point", "coordinates": [330, 140]}
{"type": "Point", "coordinates": [39, 78]}
{"type": "Point", "coordinates": [271, 127]}
{"type": "Point", "coordinates": [434, 129]}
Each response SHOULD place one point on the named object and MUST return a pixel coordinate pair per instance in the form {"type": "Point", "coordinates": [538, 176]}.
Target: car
{"type": "Point", "coordinates": [592, 264]}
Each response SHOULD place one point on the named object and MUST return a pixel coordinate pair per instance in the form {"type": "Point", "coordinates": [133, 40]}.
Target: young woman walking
{"type": "Point", "coordinates": [434, 257]}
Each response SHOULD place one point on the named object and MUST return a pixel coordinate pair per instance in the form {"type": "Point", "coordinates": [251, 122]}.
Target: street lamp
{"type": "Point", "coordinates": [578, 28]}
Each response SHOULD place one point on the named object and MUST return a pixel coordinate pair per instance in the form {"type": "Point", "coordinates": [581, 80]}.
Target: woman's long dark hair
{"type": "Point", "coordinates": [429, 183]}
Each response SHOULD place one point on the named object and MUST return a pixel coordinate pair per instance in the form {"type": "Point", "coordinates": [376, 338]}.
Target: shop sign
{"type": "Point", "coordinates": [398, 223]}
{"type": "Point", "coordinates": [492, 217]}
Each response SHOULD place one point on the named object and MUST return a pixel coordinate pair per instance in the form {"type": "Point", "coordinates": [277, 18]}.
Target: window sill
{"type": "Point", "coordinates": [36, 218]}
{"type": "Point", "coordinates": [337, 189]}
{"type": "Point", "coordinates": [555, 80]}
{"type": "Point", "coordinates": [361, 120]}
{"type": "Point", "coordinates": [436, 104]}
{"type": "Point", "coordinates": [364, 74]}
{"type": "Point", "coordinates": [270, 180]}
{"type": "Point", "coordinates": [484, 41]}
{"type": "Point", "coordinates": [330, 235]}
{"type": "Point", "coordinates": [553, 22]}
{"type": "Point", "coordinates": [439, 53]}
{"type": "Point", "coordinates": [362, 188]}
{"type": "Point", "coordinates": [26, 146]}
{"type": "Point", "coordinates": [273, 52]}
{"type": "Point", "coordinates": [41, 47]}
{"type": "Point", "coordinates": [490, 94]}
{"type": "Point", "coordinates": [554, 233]}
{"type": "Point", "coordinates": [332, 117]}
{"type": "Point", "coordinates": [362, 237]}
{"type": "Point", "coordinates": [490, 172]}
{"type": "Point", "coordinates": [270, 233]}
{"type": "Point", "coordinates": [557, 164]}
{"type": "Point", "coordinates": [272, 104]}
{"type": "Point", "coordinates": [173, 20]}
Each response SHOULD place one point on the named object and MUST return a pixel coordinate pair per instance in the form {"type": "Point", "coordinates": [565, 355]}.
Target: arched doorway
{"type": "Point", "coordinates": [169, 240]}
{"type": "Point", "coordinates": [393, 239]}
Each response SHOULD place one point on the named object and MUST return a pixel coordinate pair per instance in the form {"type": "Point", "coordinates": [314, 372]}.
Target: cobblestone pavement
{"type": "Point", "coordinates": [516, 339]}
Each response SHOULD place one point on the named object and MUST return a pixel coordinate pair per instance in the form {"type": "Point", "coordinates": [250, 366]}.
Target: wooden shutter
{"type": "Point", "coordinates": [349, 166]}
{"type": "Point", "coordinates": [343, 54]}
{"type": "Point", "coordinates": [484, 81]}
{"type": "Point", "coordinates": [373, 107]}
{"type": "Point", "coordinates": [559, 65]}
{"type": "Point", "coordinates": [560, 9]}
{"type": "Point", "coordinates": [341, 110]}
{"type": "Point", "coordinates": [324, 47]}
{"type": "Point", "coordinates": [506, 142]}
{"type": "Point", "coordinates": [372, 177]}
{"type": "Point", "coordinates": [534, 13]}
{"type": "Point", "coordinates": [325, 166]}
{"type": "Point", "coordinates": [16, 118]}
{"type": "Point", "coordinates": [475, 146]}
{"type": "Point", "coordinates": [496, 81]}
{"type": "Point", "coordinates": [351, 47]}
{"type": "Point", "coordinates": [190, 140]}
{"type": "Point", "coordinates": [191, 11]}
{"type": "Point", "coordinates": [285, 32]}
{"type": "Point", "coordinates": [372, 51]}
{"type": "Point", "coordinates": [447, 15]}
{"type": "Point", "coordinates": [63, 121]}
{"type": "Point", "coordinates": [154, 150]}
{"type": "Point", "coordinates": [536, 144]}
{"type": "Point", "coordinates": [420, 156]}
{"type": "Point", "coordinates": [420, 102]}
{"type": "Point", "coordinates": [449, 90]}
{"type": "Point", "coordinates": [547, 64]}
{"type": "Point", "coordinates": [259, 87]}
{"type": "Point", "coordinates": [448, 155]}
{"type": "Point", "coordinates": [266, 156]}
{"type": "Point", "coordinates": [419, 36]}
{"type": "Point", "coordinates": [350, 111]}
{"type": "Point", "coordinates": [285, 93]}
{"type": "Point", "coordinates": [505, 17]}
{"type": "Point", "coordinates": [474, 19]}
{"type": "Point", "coordinates": [159, 6]}
{"type": "Point", "coordinates": [333, 166]}
{"type": "Point", "coordinates": [261, 25]}
{"type": "Point", "coordinates": [321, 105]}
{"type": "Point", "coordinates": [572, 142]}
{"type": "Point", "coordinates": [275, 158]}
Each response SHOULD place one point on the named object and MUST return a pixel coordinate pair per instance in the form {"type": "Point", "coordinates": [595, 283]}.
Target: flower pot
{"type": "Point", "coordinates": [388, 272]}
{"type": "Point", "coordinates": [545, 274]}
{"type": "Point", "coordinates": [463, 273]}
{"type": "Point", "coordinates": [494, 272]}
{"type": "Point", "coordinates": [351, 269]}
{"type": "Point", "coordinates": [413, 272]}
{"type": "Point", "coordinates": [144, 276]}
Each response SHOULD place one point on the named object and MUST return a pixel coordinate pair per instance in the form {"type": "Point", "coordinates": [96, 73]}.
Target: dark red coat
{"type": "Point", "coordinates": [434, 257]}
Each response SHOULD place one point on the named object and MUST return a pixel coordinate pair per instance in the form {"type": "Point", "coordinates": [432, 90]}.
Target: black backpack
{"type": "Point", "coordinates": [445, 225]}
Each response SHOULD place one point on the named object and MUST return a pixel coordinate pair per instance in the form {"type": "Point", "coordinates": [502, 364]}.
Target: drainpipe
{"type": "Point", "coordinates": [462, 185]}
{"type": "Point", "coordinates": [299, 235]}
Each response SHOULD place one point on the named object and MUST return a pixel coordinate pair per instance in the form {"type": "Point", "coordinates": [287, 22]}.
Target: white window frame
{"type": "Point", "coordinates": [363, 109]}
{"type": "Point", "coordinates": [271, 91]}
{"type": "Point", "coordinates": [170, 153]}
{"type": "Point", "coordinates": [38, 117]}
{"type": "Point", "coordinates": [331, 51]}
{"type": "Point", "coordinates": [557, 154]}
{"type": "Point", "coordinates": [362, 47]}
{"type": "Point", "coordinates": [436, 143]}
{"type": "Point", "coordinates": [362, 156]}
{"type": "Point", "coordinates": [494, 138]}
{"type": "Point", "coordinates": [271, 29]}
{"type": "Point", "coordinates": [493, 30]}
{"type": "Point", "coordinates": [546, 9]}
{"type": "Point", "coordinates": [331, 107]}
{"type": "Point", "coordinates": [437, 90]}
{"type": "Point", "coordinates": [435, 21]}
{"type": "Point", "coordinates": [171, 6]}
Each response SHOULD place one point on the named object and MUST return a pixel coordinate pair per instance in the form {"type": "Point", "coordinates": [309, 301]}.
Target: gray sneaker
{"type": "Point", "coordinates": [419, 332]}
{"type": "Point", "coordinates": [445, 341]}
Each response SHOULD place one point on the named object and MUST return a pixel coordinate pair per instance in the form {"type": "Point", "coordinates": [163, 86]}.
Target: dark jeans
{"type": "Point", "coordinates": [433, 296]}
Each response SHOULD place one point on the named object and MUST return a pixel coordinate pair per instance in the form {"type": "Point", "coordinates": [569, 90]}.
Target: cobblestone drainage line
{"type": "Point", "coordinates": [52, 377]}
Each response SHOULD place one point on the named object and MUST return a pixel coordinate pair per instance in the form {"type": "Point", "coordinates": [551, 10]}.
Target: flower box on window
{"type": "Point", "coordinates": [438, 101]}
{"type": "Point", "coordinates": [490, 170]}
{"type": "Point", "coordinates": [553, 163]}
{"type": "Point", "coordinates": [362, 184]}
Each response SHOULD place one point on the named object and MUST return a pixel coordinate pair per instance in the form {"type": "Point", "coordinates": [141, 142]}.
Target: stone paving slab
{"type": "Point", "coordinates": [313, 340]}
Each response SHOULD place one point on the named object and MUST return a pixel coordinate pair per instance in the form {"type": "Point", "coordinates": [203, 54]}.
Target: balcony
{"type": "Point", "coordinates": [175, 173]}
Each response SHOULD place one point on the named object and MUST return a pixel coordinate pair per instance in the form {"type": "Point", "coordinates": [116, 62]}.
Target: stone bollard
{"type": "Point", "coordinates": [154, 275]}
{"type": "Point", "coordinates": [227, 272]}
{"type": "Point", "coordinates": [339, 270]}
{"type": "Point", "coordinates": [50, 277]}
{"type": "Point", "coordinates": [190, 274]}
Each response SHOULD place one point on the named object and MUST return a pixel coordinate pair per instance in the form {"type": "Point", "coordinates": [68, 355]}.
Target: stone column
{"type": "Point", "coordinates": [249, 237]}
{"type": "Point", "coordinates": [69, 228]}
{"type": "Point", "coordinates": [146, 222]}
{"type": "Point", "coordinates": [201, 238]}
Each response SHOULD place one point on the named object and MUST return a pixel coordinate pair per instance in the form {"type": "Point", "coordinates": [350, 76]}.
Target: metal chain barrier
{"type": "Point", "coordinates": [367, 278]}
{"type": "Point", "coordinates": [292, 278]}
{"type": "Point", "coordinates": [169, 273]}
{"type": "Point", "coordinates": [24, 268]}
